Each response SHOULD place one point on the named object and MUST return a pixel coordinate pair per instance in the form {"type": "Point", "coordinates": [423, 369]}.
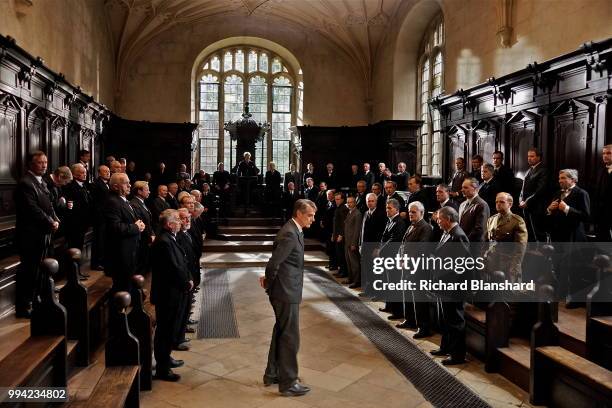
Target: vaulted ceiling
{"type": "Point", "coordinates": [357, 27]}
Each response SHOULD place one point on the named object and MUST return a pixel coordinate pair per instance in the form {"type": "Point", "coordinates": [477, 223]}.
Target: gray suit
{"type": "Point", "coordinates": [284, 283]}
{"type": "Point", "coordinates": [473, 219]}
{"type": "Point", "coordinates": [352, 230]}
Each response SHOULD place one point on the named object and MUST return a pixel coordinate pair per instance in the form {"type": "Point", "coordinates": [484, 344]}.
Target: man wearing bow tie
{"type": "Point", "coordinates": [123, 229]}
{"type": "Point", "coordinates": [603, 200]}
{"type": "Point", "coordinates": [532, 199]}
{"type": "Point", "coordinates": [36, 222]}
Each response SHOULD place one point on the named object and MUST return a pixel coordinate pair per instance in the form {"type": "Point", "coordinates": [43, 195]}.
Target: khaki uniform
{"type": "Point", "coordinates": [502, 228]}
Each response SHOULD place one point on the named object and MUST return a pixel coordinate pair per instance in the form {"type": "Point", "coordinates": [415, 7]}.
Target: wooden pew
{"type": "Point", "coordinates": [87, 314]}
{"type": "Point", "coordinates": [599, 315]}
{"type": "Point", "coordinates": [140, 325]}
{"type": "Point", "coordinates": [558, 377]}
{"type": "Point", "coordinates": [41, 359]}
{"type": "Point", "coordinates": [119, 385]}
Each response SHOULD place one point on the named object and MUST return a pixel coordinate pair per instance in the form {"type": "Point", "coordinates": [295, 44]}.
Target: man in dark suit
{"type": "Point", "coordinates": [352, 229]}
{"type": "Point", "coordinates": [99, 190]}
{"type": "Point", "coordinates": [338, 233]}
{"type": "Point", "coordinates": [187, 244]}
{"type": "Point", "coordinates": [221, 179]}
{"type": "Point", "coordinates": [442, 200]}
{"type": "Point", "coordinates": [394, 231]}
{"type": "Point", "coordinates": [56, 182]}
{"type": "Point", "coordinates": [477, 161]}
{"type": "Point", "coordinates": [141, 193]}
{"type": "Point", "coordinates": [417, 193]}
{"type": "Point", "coordinates": [171, 197]}
{"type": "Point", "coordinates": [327, 229]}
{"type": "Point", "coordinates": [567, 213]}
{"type": "Point", "coordinates": [159, 205]}
{"type": "Point", "coordinates": [377, 189]}
{"type": "Point", "coordinates": [401, 177]}
{"type": "Point", "coordinates": [368, 176]}
{"type": "Point", "coordinates": [355, 176]}
{"type": "Point", "coordinates": [503, 173]}
{"type": "Point", "coordinates": [330, 177]}
{"type": "Point", "coordinates": [452, 243]}
{"type": "Point", "coordinates": [79, 217]}
{"type": "Point", "coordinates": [292, 175]}
{"type": "Point", "coordinates": [534, 195]}
{"type": "Point", "coordinates": [310, 191]}
{"type": "Point", "coordinates": [36, 221]}
{"type": "Point", "coordinates": [272, 191]}
{"type": "Point", "coordinates": [416, 313]}
{"type": "Point", "coordinates": [170, 284]}
{"type": "Point", "coordinates": [381, 175]}
{"type": "Point", "coordinates": [123, 230]}
{"type": "Point", "coordinates": [390, 192]}
{"type": "Point", "coordinates": [289, 198]}
{"type": "Point", "coordinates": [360, 196]}
{"type": "Point", "coordinates": [473, 212]}
{"type": "Point", "coordinates": [283, 281]}
{"type": "Point", "coordinates": [309, 173]}
{"type": "Point", "coordinates": [84, 159]}
{"type": "Point", "coordinates": [602, 215]}
{"type": "Point", "coordinates": [372, 227]}
{"type": "Point", "coordinates": [246, 167]}
{"type": "Point", "coordinates": [457, 180]}
{"type": "Point", "coordinates": [489, 186]}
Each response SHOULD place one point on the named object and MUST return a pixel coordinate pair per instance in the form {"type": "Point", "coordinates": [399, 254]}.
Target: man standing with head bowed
{"type": "Point", "coordinates": [283, 282]}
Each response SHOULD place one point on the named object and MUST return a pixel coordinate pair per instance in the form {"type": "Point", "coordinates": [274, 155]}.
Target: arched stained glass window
{"type": "Point", "coordinates": [231, 76]}
{"type": "Point", "coordinates": [431, 81]}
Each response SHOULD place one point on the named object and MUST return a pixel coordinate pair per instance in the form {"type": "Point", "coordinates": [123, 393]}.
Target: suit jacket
{"type": "Point", "coordinates": [421, 231]}
{"type": "Point", "coordinates": [79, 218]}
{"type": "Point", "coordinates": [330, 179]}
{"type": "Point", "coordinates": [34, 211]}
{"type": "Point", "coordinates": [380, 178]}
{"type": "Point", "coordinates": [143, 213]}
{"type": "Point", "coordinates": [244, 169]}
{"type": "Point", "coordinates": [535, 189]}
{"type": "Point", "coordinates": [159, 205]}
{"type": "Point", "coordinates": [352, 227]}
{"type": "Point", "coordinates": [373, 226]}
{"type": "Point", "coordinates": [339, 220]}
{"type": "Point", "coordinates": [328, 217]}
{"type": "Point", "coordinates": [437, 232]}
{"type": "Point", "coordinates": [394, 232]}
{"type": "Point", "coordinates": [424, 198]}
{"type": "Point", "coordinates": [602, 216]}
{"type": "Point", "coordinates": [55, 195]}
{"type": "Point", "coordinates": [289, 201]}
{"type": "Point", "coordinates": [457, 180]}
{"type": "Point", "coordinates": [402, 180]}
{"type": "Point", "coordinates": [186, 242]}
{"type": "Point", "coordinates": [505, 257]}
{"type": "Point", "coordinates": [292, 176]}
{"type": "Point", "coordinates": [505, 177]}
{"type": "Point", "coordinates": [308, 175]}
{"type": "Point", "coordinates": [473, 219]}
{"type": "Point", "coordinates": [401, 201]}
{"type": "Point", "coordinates": [285, 269]}
{"type": "Point", "coordinates": [570, 227]}
{"type": "Point", "coordinates": [488, 192]}
{"type": "Point", "coordinates": [457, 244]}
{"type": "Point", "coordinates": [170, 277]}
{"type": "Point", "coordinates": [220, 179]}
{"type": "Point", "coordinates": [172, 202]}
{"type": "Point", "coordinates": [369, 178]}
{"type": "Point", "coordinates": [362, 204]}
{"type": "Point", "coordinates": [311, 194]}
{"type": "Point", "coordinates": [354, 179]}
{"type": "Point", "coordinates": [273, 180]}
{"type": "Point", "coordinates": [477, 174]}
{"type": "Point", "coordinates": [99, 191]}
{"type": "Point", "coordinates": [122, 236]}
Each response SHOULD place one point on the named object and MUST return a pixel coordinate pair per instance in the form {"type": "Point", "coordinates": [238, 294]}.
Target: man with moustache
{"type": "Point", "coordinates": [283, 282]}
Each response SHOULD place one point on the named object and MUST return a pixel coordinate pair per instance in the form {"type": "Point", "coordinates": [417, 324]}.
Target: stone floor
{"type": "Point", "coordinates": [339, 363]}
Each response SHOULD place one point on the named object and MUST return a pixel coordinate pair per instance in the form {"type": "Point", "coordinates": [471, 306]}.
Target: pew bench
{"type": "Point", "coordinates": [599, 340]}
{"type": "Point", "coordinates": [569, 380]}
{"type": "Point", "coordinates": [117, 387]}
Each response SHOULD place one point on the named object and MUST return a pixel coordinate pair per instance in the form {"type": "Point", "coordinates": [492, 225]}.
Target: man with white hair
{"type": "Point", "coordinates": [123, 230]}
{"type": "Point", "coordinates": [78, 219]}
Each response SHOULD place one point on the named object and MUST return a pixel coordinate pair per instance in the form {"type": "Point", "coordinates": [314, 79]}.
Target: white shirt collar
{"type": "Point", "coordinates": [296, 224]}
{"type": "Point", "coordinates": [80, 183]}
{"type": "Point", "coordinates": [38, 178]}
{"type": "Point", "coordinates": [444, 203]}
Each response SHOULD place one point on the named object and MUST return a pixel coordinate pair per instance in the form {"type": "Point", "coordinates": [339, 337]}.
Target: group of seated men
{"type": "Point", "coordinates": [133, 234]}
{"type": "Point", "coordinates": [471, 208]}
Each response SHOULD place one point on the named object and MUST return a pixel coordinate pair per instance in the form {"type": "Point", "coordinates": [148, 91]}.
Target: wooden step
{"type": "Point", "coordinates": [255, 259]}
{"type": "Point", "coordinates": [252, 221]}
{"type": "Point", "coordinates": [572, 330]}
{"type": "Point", "coordinates": [246, 237]}
{"type": "Point", "coordinates": [26, 360]}
{"type": "Point", "coordinates": [515, 361]}
{"type": "Point", "coordinates": [253, 246]}
{"type": "Point", "coordinates": [270, 229]}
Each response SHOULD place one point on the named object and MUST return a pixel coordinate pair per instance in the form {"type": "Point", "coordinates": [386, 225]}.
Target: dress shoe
{"type": "Point", "coordinates": [190, 330]}
{"type": "Point", "coordinates": [384, 309]}
{"type": "Point", "coordinates": [191, 321]}
{"type": "Point", "coordinates": [420, 334]}
{"type": "Point", "coordinates": [394, 317]}
{"type": "Point", "coordinates": [453, 361]}
{"type": "Point", "coordinates": [295, 390]}
{"type": "Point", "coordinates": [438, 352]}
{"type": "Point", "coordinates": [176, 363]}
{"type": "Point", "coordinates": [405, 325]}
{"type": "Point", "coordinates": [167, 376]}
{"type": "Point", "coordinates": [181, 347]}
{"type": "Point", "coordinates": [355, 285]}
{"type": "Point", "coordinates": [269, 381]}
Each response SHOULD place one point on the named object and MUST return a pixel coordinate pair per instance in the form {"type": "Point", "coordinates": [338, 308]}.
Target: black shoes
{"type": "Point", "coordinates": [394, 317]}
{"type": "Point", "coordinates": [453, 361]}
{"type": "Point", "coordinates": [167, 376]}
{"type": "Point", "coordinates": [295, 390]}
{"type": "Point", "coordinates": [269, 381]}
{"type": "Point", "coordinates": [405, 325]}
{"type": "Point", "coordinates": [176, 363]}
{"type": "Point", "coordinates": [438, 352]}
{"type": "Point", "coordinates": [421, 334]}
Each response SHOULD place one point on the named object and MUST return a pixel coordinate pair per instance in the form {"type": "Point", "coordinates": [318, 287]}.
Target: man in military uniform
{"type": "Point", "coordinates": [501, 228]}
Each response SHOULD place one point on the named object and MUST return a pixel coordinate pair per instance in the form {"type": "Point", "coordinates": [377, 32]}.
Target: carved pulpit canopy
{"type": "Point", "coordinates": [246, 129]}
